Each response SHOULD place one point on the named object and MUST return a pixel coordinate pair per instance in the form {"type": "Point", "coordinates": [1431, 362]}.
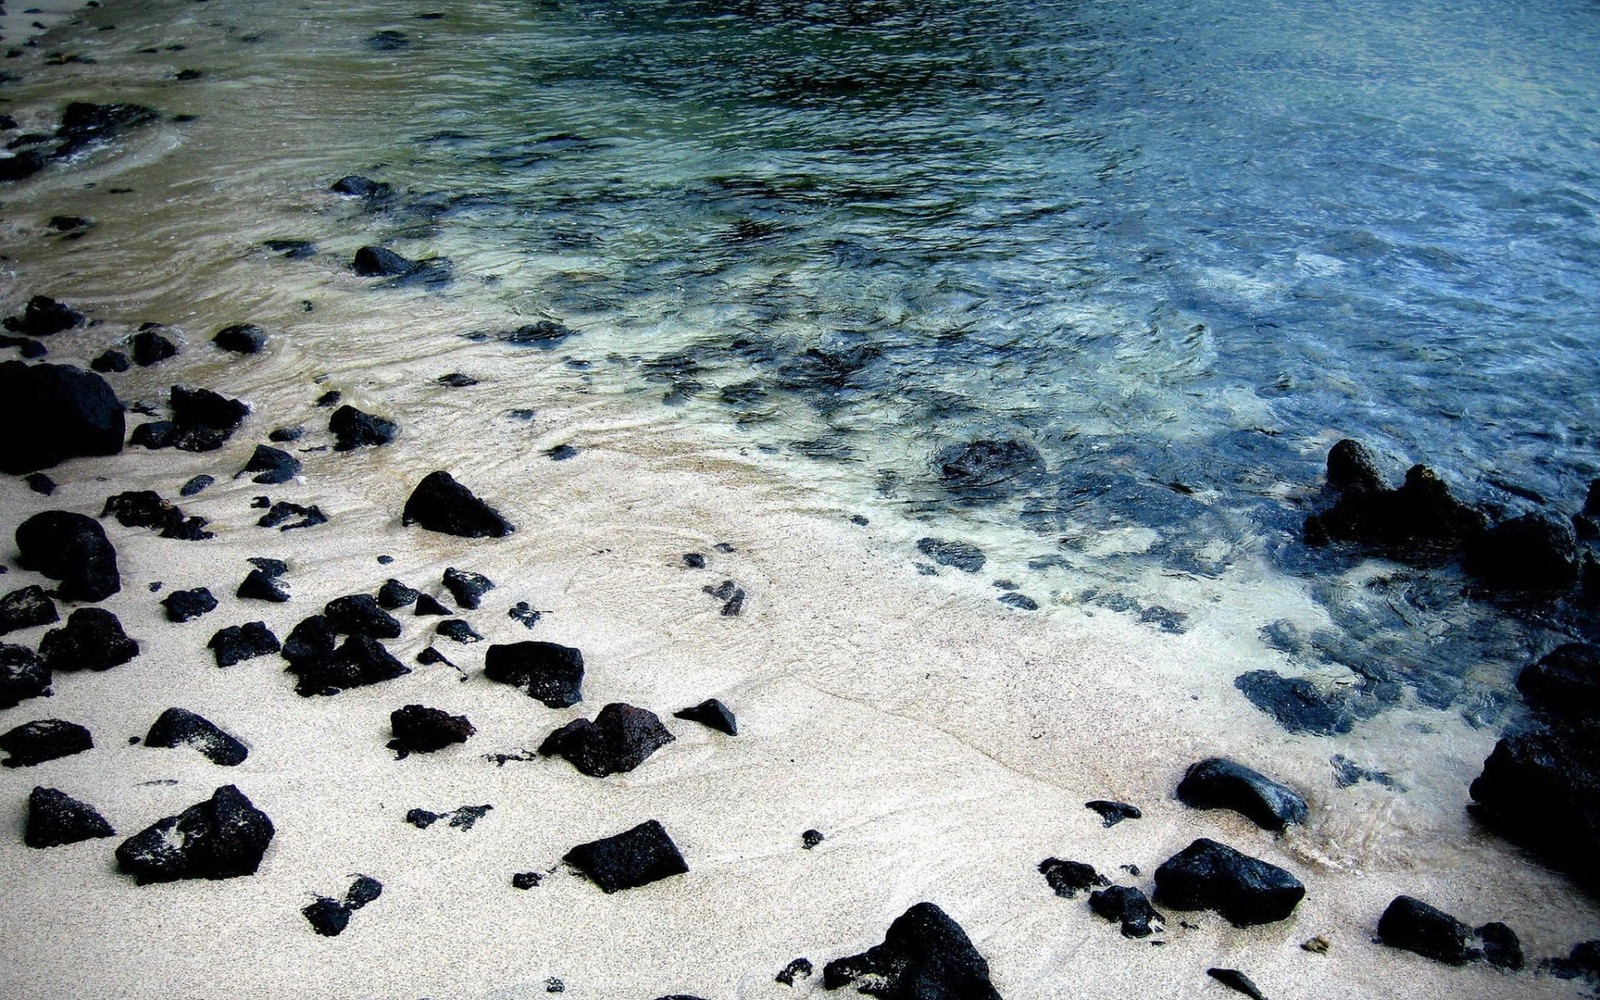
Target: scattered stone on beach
{"type": "Point", "coordinates": [27, 607]}
{"type": "Point", "coordinates": [441, 504]}
{"type": "Point", "coordinates": [694, 560]}
{"type": "Point", "coordinates": [148, 509]}
{"type": "Point", "coordinates": [1501, 947]}
{"type": "Point", "coordinates": [352, 428]}
{"type": "Point", "coordinates": [419, 729]}
{"type": "Point", "coordinates": [561, 452]}
{"type": "Point", "coordinates": [241, 338]}
{"type": "Point", "coordinates": [456, 380]}
{"type": "Point", "coordinates": [282, 514]}
{"type": "Point", "coordinates": [1128, 906]}
{"type": "Point", "coordinates": [620, 738]}
{"type": "Point", "coordinates": [712, 714]}
{"type": "Point", "coordinates": [360, 661]}
{"type": "Point", "coordinates": [924, 955]}
{"type": "Point", "coordinates": [56, 818]}
{"type": "Point", "coordinates": [202, 421]}
{"type": "Point", "coordinates": [329, 917]}
{"type": "Point", "coordinates": [810, 839]}
{"type": "Point", "coordinates": [964, 556]}
{"type": "Point", "coordinates": [359, 614]}
{"type": "Point", "coordinates": [45, 317]}
{"type": "Point", "coordinates": [223, 837]}
{"type": "Point", "coordinates": [458, 630]}
{"type": "Point", "coordinates": [179, 727]}
{"type": "Point", "coordinates": [92, 639]}
{"type": "Point", "coordinates": [1317, 945]}
{"type": "Point", "coordinates": [1068, 878]}
{"type": "Point", "coordinates": [394, 595]}
{"type": "Point", "coordinates": [184, 605]}
{"type": "Point", "coordinates": [429, 606]}
{"type": "Point", "coordinates": [1413, 925]}
{"type": "Point", "coordinates": [238, 643]}
{"type": "Point", "coordinates": [1112, 813]}
{"type": "Point", "coordinates": [196, 485]}
{"type": "Point", "coordinates": [466, 588]}
{"type": "Point", "coordinates": [43, 740]}
{"type": "Point", "coordinates": [800, 968]}
{"type": "Point", "coordinates": [1218, 783]}
{"type": "Point", "coordinates": [628, 860]}
{"type": "Point", "coordinates": [1246, 891]}
{"type": "Point", "coordinates": [732, 596]}
{"type": "Point", "coordinates": [462, 818]}
{"type": "Point", "coordinates": [271, 466]}
{"type": "Point", "coordinates": [263, 583]}
{"type": "Point", "coordinates": [22, 675]}
{"type": "Point", "coordinates": [548, 671]}
{"type": "Point", "coordinates": [149, 346]}
{"type": "Point", "coordinates": [1237, 981]}
{"type": "Point", "coordinates": [40, 483]}
{"type": "Point", "coordinates": [84, 125]}
{"type": "Point", "coordinates": [522, 613]}
{"type": "Point", "coordinates": [52, 413]}
{"type": "Point", "coordinates": [988, 469]}
{"type": "Point", "coordinates": [526, 880]}
{"type": "Point", "coordinates": [284, 435]}
{"type": "Point", "coordinates": [311, 639]}
{"type": "Point", "coordinates": [1296, 703]}
{"type": "Point", "coordinates": [1020, 601]}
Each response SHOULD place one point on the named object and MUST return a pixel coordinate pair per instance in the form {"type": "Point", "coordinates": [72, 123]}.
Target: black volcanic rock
{"type": "Point", "coordinates": [1237, 981]}
{"type": "Point", "coordinates": [381, 262]}
{"type": "Point", "coordinates": [203, 420]}
{"type": "Point", "coordinates": [428, 605]}
{"type": "Point", "coordinates": [284, 511]}
{"type": "Point", "coordinates": [241, 338]}
{"type": "Point", "coordinates": [22, 675]}
{"type": "Point", "coordinates": [1128, 906]}
{"type": "Point", "coordinates": [1295, 703]}
{"type": "Point", "coordinates": [964, 556]}
{"type": "Point", "coordinates": [441, 504]}
{"type": "Point", "coordinates": [359, 614]}
{"type": "Point", "coordinates": [238, 643]}
{"type": "Point", "coordinates": [1352, 468]}
{"type": "Point", "coordinates": [352, 428]}
{"type": "Point", "coordinates": [1565, 680]}
{"type": "Point", "coordinates": [223, 837]}
{"type": "Point", "coordinates": [418, 729]}
{"type": "Point", "coordinates": [179, 727]}
{"type": "Point", "coordinates": [1419, 522]}
{"type": "Point", "coordinates": [712, 714]}
{"type": "Point", "coordinates": [72, 548]}
{"type": "Point", "coordinates": [1501, 948]}
{"type": "Point", "coordinates": [184, 605]}
{"type": "Point", "coordinates": [84, 124]}
{"type": "Point", "coordinates": [924, 956]}
{"type": "Point", "coordinates": [1413, 925]}
{"type": "Point", "coordinates": [1068, 878]}
{"type": "Point", "coordinates": [43, 740]}
{"type": "Point", "coordinates": [1541, 788]}
{"type": "Point", "coordinates": [328, 917]}
{"type": "Point", "coordinates": [1218, 783]}
{"type": "Point", "coordinates": [147, 509]}
{"type": "Point", "coordinates": [259, 585]}
{"type": "Point", "coordinates": [56, 818]}
{"type": "Point", "coordinates": [92, 639]}
{"type": "Point", "coordinates": [1112, 813]}
{"type": "Point", "coordinates": [988, 469]}
{"type": "Point", "coordinates": [50, 413]}
{"type": "Point", "coordinates": [1207, 875]}
{"type": "Point", "coordinates": [548, 671]}
{"type": "Point", "coordinates": [150, 346]}
{"type": "Point", "coordinates": [620, 738]}
{"type": "Point", "coordinates": [467, 588]}
{"type": "Point", "coordinates": [270, 465]}
{"type": "Point", "coordinates": [25, 608]}
{"type": "Point", "coordinates": [45, 317]}
{"type": "Point", "coordinates": [360, 661]}
{"type": "Point", "coordinates": [394, 595]}
{"type": "Point", "coordinates": [312, 639]}
{"type": "Point", "coordinates": [800, 968]}
{"type": "Point", "coordinates": [109, 361]}
{"type": "Point", "coordinates": [1532, 552]}
{"type": "Point", "coordinates": [458, 630]}
{"type": "Point", "coordinates": [630, 859]}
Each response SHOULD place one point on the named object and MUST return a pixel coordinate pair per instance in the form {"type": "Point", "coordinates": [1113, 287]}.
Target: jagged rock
{"type": "Point", "coordinates": [92, 639]}
{"type": "Point", "coordinates": [1127, 905]}
{"type": "Point", "coordinates": [963, 556]}
{"type": "Point", "coordinates": [441, 504]}
{"type": "Point", "coordinates": [1413, 925]}
{"type": "Point", "coordinates": [26, 608]}
{"type": "Point", "coordinates": [149, 346]}
{"type": "Point", "coordinates": [147, 509]}
{"type": "Point", "coordinates": [458, 630]}
{"type": "Point", "coordinates": [1218, 783]}
{"type": "Point", "coordinates": [1295, 703]}
{"type": "Point", "coordinates": [712, 714]}
{"type": "Point", "coordinates": [542, 333]}
{"type": "Point", "coordinates": [989, 469]}
{"type": "Point", "coordinates": [1237, 981]}
{"type": "Point", "coordinates": [45, 317]}
{"type": "Point", "coordinates": [394, 594]}
{"type": "Point", "coordinates": [1207, 875]}
{"type": "Point", "coordinates": [56, 818]}
{"type": "Point", "coordinates": [1068, 878]}
{"type": "Point", "coordinates": [283, 511]}
{"type": "Point", "coordinates": [619, 739]}
{"type": "Point", "coordinates": [43, 740]}
{"type": "Point", "coordinates": [1565, 681]}
{"type": "Point", "coordinates": [800, 968]}
{"type": "Point", "coordinates": [418, 729]}
{"type": "Point", "coordinates": [731, 594]}
{"type": "Point", "coordinates": [1541, 789]}
{"type": "Point", "coordinates": [271, 466]}
{"type": "Point", "coordinates": [183, 605]}
{"type": "Point", "coordinates": [110, 361]}
{"type": "Point", "coordinates": [263, 585]}
{"type": "Point", "coordinates": [328, 917]}
{"type": "Point", "coordinates": [73, 549]}
{"type": "Point", "coordinates": [924, 956]}
{"type": "Point", "coordinates": [312, 639]}
{"type": "Point", "coordinates": [548, 671]}
{"type": "Point", "coordinates": [1501, 948]}
{"type": "Point", "coordinates": [456, 380]}
{"type": "Point", "coordinates": [352, 428]}
{"type": "Point", "coordinates": [50, 413]}
{"type": "Point", "coordinates": [462, 818]}
{"type": "Point", "coordinates": [363, 890]}
{"type": "Point", "coordinates": [360, 661]}
{"type": "Point", "coordinates": [359, 614]}
{"type": "Point", "coordinates": [84, 124]}
{"type": "Point", "coordinates": [237, 643]}
{"type": "Point", "coordinates": [1112, 813]}
{"type": "Point", "coordinates": [223, 837]}
{"type": "Point", "coordinates": [180, 727]}
{"type": "Point", "coordinates": [467, 588]}
{"type": "Point", "coordinates": [381, 262]}
{"type": "Point", "coordinates": [1532, 552]}
{"type": "Point", "coordinates": [1351, 467]}
{"type": "Point", "coordinates": [428, 605]}
{"type": "Point", "coordinates": [1419, 522]}
{"type": "Point", "coordinates": [202, 420]}
{"type": "Point", "coordinates": [241, 338]}
{"type": "Point", "coordinates": [22, 675]}
{"type": "Point", "coordinates": [631, 859]}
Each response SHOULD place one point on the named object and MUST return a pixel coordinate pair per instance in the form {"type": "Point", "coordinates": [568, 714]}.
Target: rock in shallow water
{"type": "Point", "coordinates": [988, 469]}
{"type": "Point", "coordinates": [630, 859]}
{"type": "Point", "coordinates": [1218, 783]}
{"type": "Point", "coordinates": [223, 837]}
{"type": "Point", "coordinates": [924, 956]}
{"type": "Point", "coordinates": [1295, 703]}
{"type": "Point", "coordinates": [56, 818]}
{"type": "Point", "coordinates": [242, 338]}
{"type": "Point", "coordinates": [1413, 925]}
{"type": "Point", "coordinates": [964, 556]}
{"type": "Point", "coordinates": [51, 413]}
{"type": "Point", "coordinates": [353, 429]}
{"type": "Point", "coordinates": [73, 549]}
{"type": "Point", "coordinates": [441, 504]}
{"type": "Point", "coordinates": [1207, 875]}
{"type": "Point", "coordinates": [45, 317]}
{"type": "Point", "coordinates": [620, 738]}
{"type": "Point", "coordinates": [548, 671]}
{"type": "Point", "coordinates": [179, 727]}
{"type": "Point", "coordinates": [271, 466]}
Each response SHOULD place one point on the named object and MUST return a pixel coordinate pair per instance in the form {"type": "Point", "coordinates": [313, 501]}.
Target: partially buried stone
{"type": "Point", "coordinates": [292, 249]}
{"type": "Point", "coordinates": [147, 509]}
{"type": "Point", "coordinates": [238, 643]}
{"type": "Point", "coordinates": [43, 740]}
{"type": "Point", "coordinates": [1022, 602]}
{"type": "Point", "coordinates": [110, 361]}
{"type": "Point", "coordinates": [394, 594]}
{"type": "Point", "coordinates": [179, 727]}
{"type": "Point", "coordinates": [810, 839]}
{"type": "Point", "coordinates": [284, 435]}
{"type": "Point", "coordinates": [241, 338]}
{"type": "Point", "coordinates": [462, 818]}
{"type": "Point", "coordinates": [271, 466]}
{"type": "Point", "coordinates": [327, 917]}
{"type": "Point", "coordinates": [428, 605]}
{"type": "Point", "coordinates": [360, 661]}
{"type": "Point", "coordinates": [694, 560]}
{"type": "Point", "coordinates": [963, 556]}
{"type": "Point", "coordinates": [620, 738]}
{"type": "Point", "coordinates": [1501, 948]}
{"type": "Point", "coordinates": [1128, 906]}
{"type": "Point", "coordinates": [712, 714]}
{"type": "Point", "coordinates": [1208, 875]}
{"type": "Point", "coordinates": [353, 428]}
{"type": "Point", "coordinates": [419, 729]}
{"type": "Point", "coordinates": [51, 413]}
{"type": "Point", "coordinates": [22, 675]}
{"type": "Point", "coordinates": [456, 380]}
{"type": "Point", "coordinates": [630, 859]}
{"type": "Point", "coordinates": [183, 605]}
{"type": "Point", "coordinates": [526, 880]}
{"type": "Point", "coordinates": [458, 630]}
{"type": "Point", "coordinates": [441, 504]}
{"type": "Point", "coordinates": [1218, 783]}
{"type": "Point", "coordinates": [195, 485]}
{"type": "Point", "coordinates": [1068, 878]}
{"type": "Point", "coordinates": [281, 515]}
{"type": "Point", "coordinates": [521, 612]}
{"type": "Point", "coordinates": [26, 608]}
{"type": "Point", "coordinates": [202, 420]}
{"type": "Point", "coordinates": [987, 468]}
{"type": "Point", "coordinates": [260, 586]}
{"type": "Point", "coordinates": [1413, 925]}
{"type": "Point", "coordinates": [359, 614]}
{"type": "Point", "coordinates": [924, 955]}
{"type": "Point", "coordinates": [467, 588]}
{"type": "Point", "coordinates": [45, 317]}
{"type": "Point", "coordinates": [1237, 981]}
{"type": "Point", "coordinates": [800, 968]}
{"type": "Point", "coordinates": [40, 483]}
{"type": "Point", "coordinates": [56, 818]}
{"type": "Point", "coordinates": [562, 452]}
{"type": "Point", "coordinates": [1112, 813]}
{"type": "Point", "coordinates": [223, 837]}
{"type": "Point", "coordinates": [92, 639]}
{"type": "Point", "coordinates": [548, 671]}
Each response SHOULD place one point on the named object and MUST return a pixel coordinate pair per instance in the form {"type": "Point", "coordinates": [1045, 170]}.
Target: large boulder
{"type": "Point", "coordinates": [25, 608]}
{"type": "Point", "coordinates": [71, 548]}
{"type": "Point", "coordinates": [630, 859]}
{"type": "Point", "coordinates": [1421, 521]}
{"type": "Point", "coordinates": [1531, 552]}
{"type": "Point", "coordinates": [1218, 783]}
{"type": "Point", "coordinates": [1207, 875]}
{"type": "Point", "coordinates": [56, 818]}
{"type": "Point", "coordinates": [548, 671]}
{"type": "Point", "coordinates": [924, 956]}
{"type": "Point", "coordinates": [50, 413]}
{"type": "Point", "coordinates": [620, 738]}
{"type": "Point", "coordinates": [223, 837]}
{"type": "Point", "coordinates": [1541, 789]}
{"type": "Point", "coordinates": [92, 639]}
{"type": "Point", "coordinates": [441, 504]}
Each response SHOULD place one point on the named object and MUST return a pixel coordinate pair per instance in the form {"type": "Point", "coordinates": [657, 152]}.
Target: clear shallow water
{"type": "Point", "coordinates": [1178, 249]}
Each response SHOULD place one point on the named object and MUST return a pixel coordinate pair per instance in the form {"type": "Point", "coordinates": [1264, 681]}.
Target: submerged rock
{"type": "Point", "coordinates": [1218, 783]}
{"type": "Point", "coordinates": [22, 675]}
{"type": "Point", "coordinates": [242, 338]}
{"type": "Point", "coordinates": [352, 429]}
{"type": "Point", "coordinates": [1413, 925]}
{"type": "Point", "coordinates": [1419, 522]}
{"type": "Point", "coordinates": [712, 714]}
{"type": "Point", "coordinates": [180, 727]}
{"type": "Point", "coordinates": [987, 469]}
{"type": "Point", "coordinates": [223, 837]}
{"type": "Point", "coordinates": [620, 738]}
{"type": "Point", "coordinates": [419, 729]}
{"type": "Point", "coordinates": [548, 671]}
{"type": "Point", "coordinates": [1207, 875]}
{"type": "Point", "coordinates": [150, 346]}
{"type": "Point", "coordinates": [1068, 878]}
{"type": "Point", "coordinates": [26, 608]}
{"type": "Point", "coordinates": [43, 740]}
{"type": "Point", "coordinates": [964, 556]}
{"type": "Point", "coordinates": [630, 859]}
{"type": "Point", "coordinates": [56, 818]}
{"type": "Point", "coordinates": [238, 643]}
{"type": "Point", "coordinates": [1501, 948]}
{"type": "Point", "coordinates": [51, 413]}
{"type": "Point", "coordinates": [925, 955]}
{"type": "Point", "coordinates": [92, 639]}
{"type": "Point", "coordinates": [441, 504]}
{"type": "Point", "coordinates": [467, 588]}
{"type": "Point", "coordinates": [1296, 703]}
{"type": "Point", "coordinates": [84, 124]}
{"type": "Point", "coordinates": [1128, 906]}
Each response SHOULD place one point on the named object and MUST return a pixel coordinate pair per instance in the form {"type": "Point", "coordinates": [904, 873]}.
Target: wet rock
{"type": "Point", "coordinates": [989, 469]}
{"type": "Point", "coordinates": [110, 362]}
{"type": "Point", "coordinates": [360, 661]}
{"type": "Point", "coordinates": [462, 818]}
{"type": "Point", "coordinates": [1207, 875]}
{"type": "Point", "coordinates": [203, 420]}
{"type": "Point", "coordinates": [800, 968]}
{"type": "Point", "coordinates": [630, 859]}
{"type": "Point", "coordinates": [352, 428]}
{"type": "Point", "coordinates": [1541, 789]}
{"type": "Point", "coordinates": [562, 452]}
{"type": "Point", "coordinates": [150, 346]}
{"type": "Point", "coordinates": [1128, 906]}
{"type": "Point", "coordinates": [548, 671]}
{"type": "Point", "coordinates": [1419, 522]}
{"type": "Point", "coordinates": [1351, 467]}
{"type": "Point", "coordinates": [22, 675]}
{"type": "Point", "coordinates": [290, 250]}
{"type": "Point", "coordinates": [184, 605]}
{"type": "Point", "coordinates": [359, 614]}
{"type": "Point", "coordinates": [712, 714]}
{"type": "Point", "coordinates": [56, 818]}
{"type": "Point", "coordinates": [1112, 813]}
{"type": "Point", "coordinates": [356, 186]}
{"type": "Point", "coordinates": [271, 465]}
{"type": "Point", "coordinates": [459, 631]}
{"type": "Point", "coordinates": [195, 485]}
{"type": "Point", "coordinates": [92, 639]}
{"type": "Point", "coordinates": [179, 727]}
{"type": "Point", "coordinates": [1501, 948]}
{"type": "Point", "coordinates": [43, 740]}
{"type": "Point", "coordinates": [40, 483]}
{"type": "Point", "coordinates": [237, 643]}
{"type": "Point", "coordinates": [428, 605]}
{"type": "Point", "coordinates": [456, 380]}
{"type": "Point", "coordinates": [1218, 783]}
{"type": "Point", "coordinates": [620, 738]}
{"type": "Point", "coordinates": [223, 837]}
{"type": "Point", "coordinates": [84, 124]}
{"type": "Point", "coordinates": [467, 588]}
{"type": "Point", "coordinates": [418, 729]}
{"type": "Point", "coordinates": [284, 435]}
{"type": "Point", "coordinates": [241, 338]}
{"type": "Point", "coordinates": [1068, 878]}
{"type": "Point", "coordinates": [964, 556]}
{"type": "Point", "coordinates": [1413, 925]}
{"type": "Point", "coordinates": [925, 955]}
{"type": "Point", "coordinates": [23, 164]}
{"type": "Point", "coordinates": [1565, 681]}
{"type": "Point", "coordinates": [388, 40]}
{"type": "Point", "coordinates": [147, 509]}
{"type": "Point", "coordinates": [282, 514]}
{"type": "Point", "coordinates": [523, 614]}
{"type": "Point", "coordinates": [526, 880]}
{"type": "Point", "coordinates": [51, 413]}
{"type": "Point", "coordinates": [1237, 981]}
{"type": "Point", "coordinates": [26, 608]}
{"type": "Point", "coordinates": [694, 560]}
{"type": "Point", "coordinates": [1021, 602]}
{"type": "Point", "coordinates": [381, 262]}
{"type": "Point", "coordinates": [1347, 772]}
{"type": "Point", "coordinates": [394, 595]}
{"type": "Point", "coordinates": [441, 504]}
{"type": "Point", "coordinates": [543, 333]}
{"type": "Point", "coordinates": [45, 317]}
{"type": "Point", "coordinates": [1295, 703]}
{"type": "Point", "coordinates": [1532, 552]}
{"type": "Point", "coordinates": [1582, 962]}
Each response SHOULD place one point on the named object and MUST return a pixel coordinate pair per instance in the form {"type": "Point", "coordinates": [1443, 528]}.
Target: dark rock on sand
{"type": "Point", "coordinates": [237, 643]}
{"type": "Point", "coordinates": [418, 729]}
{"type": "Point", "coordinates": [1207, 875]}
{"type": "Point", "coordinates": [359, 614]}
{"type": "Point", "coordinates": [327, 917]}
{"type": "Point", "coordinates": [467, 588]}
{"type": "Point", "coordinates": [523, 614]}
{"type": "Point", "coordinates": [353, 428]}
{"type": "Point", "coordinates": [281, 515]}
{"type": "Point", "coordinates": [223, 837]}
{"type": "Point", "coordinates": [43, 740]}
{"type": "Point", "coordinates": [712, 714]}
{"type": "Point", "coordinates": [810, 839]}
{"type": "Point", "coordinates": [988, 469]}
{"type": "Point", "coordinates": [284, 435]}
{"type": "Point", "coordinates": [271, 465]}
{"type": "Point", "coordinates": [562, 452]}
{"type": "Point", "coordinates": [66, 413]}
{"type": "Point", "coordinates": [179, 727]}
{"type": "Point", "coordinates": [394, 595]}
{"type": "Point", "coordinates": [458, 630]}
{"type": "Point", "coordinates": [26, 608]}
{"type": "Point", "coordinates": [732, 596]}
{"type": "Point", "coordinates": [1217, 783]}
{"type": "Point", "coordinates": [428, 605]}
{"type": "Point", "coordinates": [40, 483]}
{"type": "Point", "coordinates": [22, 675]}
{"type": "Point", "coordinates": [694, 560]}
{"type": "Point", "coordinates": [196, 485]}
{"type": "Point", "coordinates": [548, 671]}
{"type": "Point", "coordinates": [1068, 878]}
{"type": "Point", "coordinates": [1413, 925]}
{"type": "Point", "coordinates": [1582, 962]}
{"type": "Point", "coordinates": [1127, 905]}
{"type": "Point", "coordinates": [92, 639]}
{"type": "Point", "coordinates": [800, 968]}
{"type": "Point", "coordinates": [45, 317]}
{"type": "Point", "coordinates": [439, 503]}
{"type": "Point", "coordinates": [1021, 602]}
{"type": "Point", "coordinates": [1112, 813]}
{"type": "Point", "coordinates": [84, 124]}
{"type": "Point", "coordinates": [630, 859]}
{"type": "Point", "coordinates": [964, 556]}
{"type": "Point", "coordinates": [262, 585]}
{"type": "Point", "coordinates": [620, 738]}
{"type": "Point", "coordinates": [1501, 948]}
{"type": "Point", "coordinates": [203, 417]}
{"type": "Point", "coordinates": [456, 380]}
{"type": "Point", "coordinates": [362, 660]}
{"type": "Point", "coordinates": [462, 818]}
{"type": "Point", "coordinates": [147, 509]}
{"type": "Point", "coordinates": [925, 955]}
{"type": "Point", "coordinates": [380, 262]}
{"type": "Point", "coordinates": [526, 880]}
{"type": "Point", "coordinates": [1295, 703]}
{"type": "Point", "coordinates": [1532, 552]}
{"type": "Point", "coordinates": [149, 346]}
{"type": "Point", "coordinates": [241, 338]}
{"type": "Point", "coordinates": [1237, 981]}
{"type": "Point", "coordinates": [330, 398]}
{"type": "Point", "coordinates": [56, 818]}
{"type": "Point", "coordinates": [183, 605]}
{"type": "Point", "coordinates": [362, 891]}
{"type": "Point", "coordinates": [312, 639]}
